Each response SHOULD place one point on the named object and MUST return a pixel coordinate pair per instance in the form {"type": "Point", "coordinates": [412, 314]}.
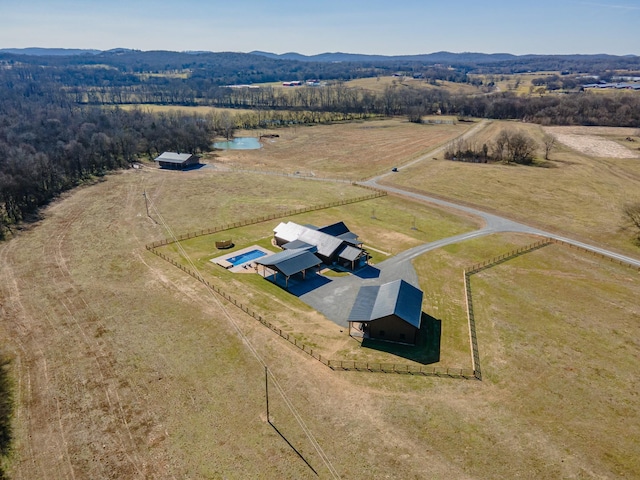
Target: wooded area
{"type": "Point", "coordinates": [49, 145]}
{"type": "Point", "coordinates": [6, 409]}
{"type": "Point", "coordinates": [60, 123]}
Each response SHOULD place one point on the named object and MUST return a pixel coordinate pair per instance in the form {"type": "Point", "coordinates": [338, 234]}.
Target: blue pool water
{"type": "Point", "coordinates": [245, 257]}
{"type": "Point", "coordinates": [239, 143]}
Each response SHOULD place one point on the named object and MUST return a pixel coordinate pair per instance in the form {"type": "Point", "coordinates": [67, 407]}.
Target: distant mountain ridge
{"type": "Point", "coordinates": [39, 51]}
{"type": "Point", "coordinates": [436, 57]}
{"type": "Point", "coordinates": [327, 57]}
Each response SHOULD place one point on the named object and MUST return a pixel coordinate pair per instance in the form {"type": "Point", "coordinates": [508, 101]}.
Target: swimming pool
{"type": "Point", "coordinates": [245, 257]}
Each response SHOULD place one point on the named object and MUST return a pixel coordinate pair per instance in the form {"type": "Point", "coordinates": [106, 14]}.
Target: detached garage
{"type": "Point", "coordinates": [177, 161]}
{"type": "Point", "coordinates": [390, 312]}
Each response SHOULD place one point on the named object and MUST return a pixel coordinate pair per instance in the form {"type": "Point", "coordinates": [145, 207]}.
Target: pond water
{"type": "Point", "coordinates": [239, 143]}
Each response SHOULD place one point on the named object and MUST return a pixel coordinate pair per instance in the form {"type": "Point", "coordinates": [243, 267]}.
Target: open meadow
{"type": "Point", "coordinates": [126, 367]}
{"type": "Point", "coordinates": [379, 84]}
{"type": "Point", "coordinates": [350, 151]}
{"type": "Point", "coordinates": [579, 194]}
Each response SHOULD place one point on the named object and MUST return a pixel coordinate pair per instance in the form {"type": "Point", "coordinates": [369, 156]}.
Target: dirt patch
{"type": "Point", "coordinates": [590, 141]}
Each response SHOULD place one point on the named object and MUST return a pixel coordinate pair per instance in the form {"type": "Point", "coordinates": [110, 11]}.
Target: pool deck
{"type": "Point", "coordinates": [222, 259]}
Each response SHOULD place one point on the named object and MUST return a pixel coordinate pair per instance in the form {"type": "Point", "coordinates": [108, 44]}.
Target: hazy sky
{"type": "Point", "coordinates": [387, 27]}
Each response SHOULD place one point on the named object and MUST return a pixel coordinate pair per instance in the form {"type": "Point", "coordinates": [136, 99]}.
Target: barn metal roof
{"type": "Point", "coordinates": [394, 298]}
{"type": "Point", "coordinates": [290, 262]}
{"type": "Point", "coordinates": [172, 157]}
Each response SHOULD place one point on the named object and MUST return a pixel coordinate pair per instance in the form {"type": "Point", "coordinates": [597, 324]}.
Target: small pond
{"type": "Point", "coordinates": [239, 143]}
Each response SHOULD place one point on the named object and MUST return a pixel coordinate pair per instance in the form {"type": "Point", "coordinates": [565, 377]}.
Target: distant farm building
{"type": "Point", "coordinates": [390, 312]}
{"type": "Point", "coordinates": [295, 83]}
{"type": "Point", "coordinates": [333, 244]}
{"type": "Point", "coordinates": [177, 161]}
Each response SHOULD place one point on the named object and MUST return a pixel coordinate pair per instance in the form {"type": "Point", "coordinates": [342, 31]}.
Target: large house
{"type": "Point", "coordinates": [333, 244]}
{"type": "Point", "coordinates": [177, 161]}
{"type": "Point", "coordinates": [391, 312]}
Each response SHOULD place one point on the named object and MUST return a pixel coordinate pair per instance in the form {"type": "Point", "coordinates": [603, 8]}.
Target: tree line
{"type": "Point", "coordinates": [48, 145]}
{"type": "Point", "coordinates": [55, 130]}
{"type": "Point", "coordinates": [95, 84]}
{"type": "Point", "coordinates": [508, 147]}
{"type": "Point", "coordinates": [6, 411]}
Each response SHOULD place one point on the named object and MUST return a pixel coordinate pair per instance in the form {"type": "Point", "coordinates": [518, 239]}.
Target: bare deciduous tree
{"type": "Point", "coordinates": [631, 212]}
{"type": "Point", "coordinates": [514, 147]}
{"type": "Point", "coordinates": [549, 143]}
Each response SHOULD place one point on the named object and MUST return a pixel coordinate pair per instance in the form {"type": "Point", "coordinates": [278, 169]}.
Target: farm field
{"type": "Point", "coordinates": [350, 151]}
{"type": "Point", "coordinates": [379, 84]}
{"type": "Point", "coordinates": [126, 367]}
{"type": "Point", "coordinates": [575, 193]}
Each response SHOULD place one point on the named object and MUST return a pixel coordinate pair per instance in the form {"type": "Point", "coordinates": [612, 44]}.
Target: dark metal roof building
{"type": "Point", "coordinates": [176, 161]}
{"type": "Point", "coordinates": [392, 311]}
{"type": "Point", "coordinates": [289, 262]}
{"type": "Point", "coordinates": [328, 246]}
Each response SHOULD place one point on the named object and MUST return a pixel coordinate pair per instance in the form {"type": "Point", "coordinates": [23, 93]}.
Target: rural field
{"type": "Point", "coordinates": [379, 84]}
{"type": "Point", "coordinates": [351, 151]}
{"type": "Point", "coordinates": [578, 193]}
{"type": "Point", "coordinates": [126, 367]}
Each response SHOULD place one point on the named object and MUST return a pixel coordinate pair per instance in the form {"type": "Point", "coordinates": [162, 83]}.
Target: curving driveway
{"type": "Point", "coordinates": [335, 298]}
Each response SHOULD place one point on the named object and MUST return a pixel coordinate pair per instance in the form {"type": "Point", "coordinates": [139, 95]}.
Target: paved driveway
{"type": "Point", "coordinates": [335, 298]}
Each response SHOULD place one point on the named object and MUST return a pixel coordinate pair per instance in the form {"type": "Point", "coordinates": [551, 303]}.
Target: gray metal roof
{"type": "Point", "coordinates": [289, 231]}
{"type": "Point", "coordinates": [299, 244]}
{"type": "Point", "coordinates": [394, 298]}
{"type": "Point", "coordinates": [350, 237]}
{"type": "Point", "coordinates": [362, 308]}
{"type": "Point", "coordinates": [172, 157]}
{"type": "Point", "coordinates": [326, 244]}
{"type": "Point", "coordinates": [350, 253]}
{"type": "Point", "coordinates": [290, 262]}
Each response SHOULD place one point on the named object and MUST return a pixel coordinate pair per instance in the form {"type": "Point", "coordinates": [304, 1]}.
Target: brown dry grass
{"type": "Point", "coordinates": [127, 368]}
{"type": "Point", "coordinates": [576, 194]}
{"type": "Point", "coordinates": [351, 151]}
{"type": "Point", "coordinates": [379, 84]}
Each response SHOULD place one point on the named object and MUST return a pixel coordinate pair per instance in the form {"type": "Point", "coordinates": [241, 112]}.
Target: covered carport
{"type": "Point", "coordinates": [288, 263]}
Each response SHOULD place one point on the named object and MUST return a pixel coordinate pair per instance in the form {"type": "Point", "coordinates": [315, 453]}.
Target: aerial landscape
{"type": "Point", "coordinates": [287, 240]}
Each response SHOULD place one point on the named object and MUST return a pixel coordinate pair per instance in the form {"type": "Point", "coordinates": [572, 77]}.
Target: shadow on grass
{"type": "Point", "coordinates": [297, 285]}
{"type": "Point", "coordinates": [425, 351]}
{"type": "Point", "coordinates": [293, 448]}
{"type": "Point", "coordinates": [196, 166]}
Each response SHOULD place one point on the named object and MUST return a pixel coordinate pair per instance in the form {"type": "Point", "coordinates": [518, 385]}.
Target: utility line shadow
{"type": "Point", "coordinates": [293, 448]}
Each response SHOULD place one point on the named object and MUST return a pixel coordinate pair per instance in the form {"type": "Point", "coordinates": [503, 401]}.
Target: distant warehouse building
{"type": "Point", "coordinates": [177, 161]}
